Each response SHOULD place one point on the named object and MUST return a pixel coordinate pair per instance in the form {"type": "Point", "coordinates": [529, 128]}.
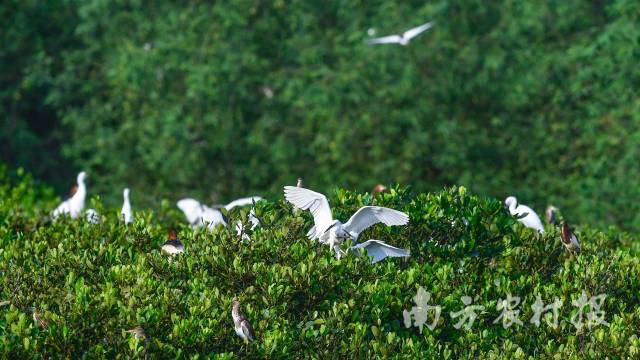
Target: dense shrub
{"type": "Point", "coordinates": [218, 99]}
{"type": "Point", "coordinates": [92, 282]}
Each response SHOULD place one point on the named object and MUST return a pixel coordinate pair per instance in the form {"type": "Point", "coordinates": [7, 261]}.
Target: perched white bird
{"type": "Point", "coordinates": [201, 215]}
{"type": "Point", "coordinates": [530, 220]}
{"type": "Point", "coordinates": [92, 216]}
{"type": "Point", "coordinates": [74, 205]}
{"type": "Point", "coordinates": [402, 39]}
{"type": "Point", "coordinates": [569, 239]}
{"type": "Point", "coordinates": [127, 215]}
{"type": "Point", "coordinates": [379, 250]}
{"type": "Point", "coordinates": [172, 246]}
{"type": "Point", "coordinates": [332, 232]}
{"type": "Point", "coordinates": [241, 323]}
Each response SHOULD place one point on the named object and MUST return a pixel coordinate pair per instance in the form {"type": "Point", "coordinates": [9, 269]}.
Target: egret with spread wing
{"type": "Point", "coordinates": [402, 39]}
{"type": "Point", "coordinates": [331, 231]}
{"type": "Point", "coordinates": [378, 250]}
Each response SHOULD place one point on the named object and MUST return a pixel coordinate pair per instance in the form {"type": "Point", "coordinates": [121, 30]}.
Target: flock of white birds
{"type": "Point", "coordinates": [327, 230]}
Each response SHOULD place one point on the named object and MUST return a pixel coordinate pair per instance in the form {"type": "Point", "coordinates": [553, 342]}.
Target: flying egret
{"type": "Point", "coordinates": [530, 219]}
{"type": "Point", "coordinates": [241, 323]}
{"type": "Point", "coordinates": [378, 250]}
{"type": "Point", "coordinates": [569, 239]}
{"type": "Point", "coordinates": [127, 215]}
{"type": "Point", "coordinates": [402, 39]}
{"type": "Point", "coordinates": [331, 231]}
{"type": "Point", "coordinates": [74, 205]}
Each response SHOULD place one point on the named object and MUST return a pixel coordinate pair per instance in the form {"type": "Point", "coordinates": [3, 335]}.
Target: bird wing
{"type": "Point", "coordinates": [212, 217]}
{"type": "Point", "coordinates": [247, 329]}
{"type": "Point", "coordinates": [391, 39]}
{"type": "Point", "coordinates": [411, 33]}
{"type": "Point", "coordinates": [316, 203]}
{"type": "Point", "coordinates": [191, 209]}
{"type": "Point", "coordinates": [253, 219]}
{"type": "Point", "coordinates": [378, 250]}
{"type": "Point", "coordinates": [242, 202]}
{"type": "Point", "coordinates": [369, 215]}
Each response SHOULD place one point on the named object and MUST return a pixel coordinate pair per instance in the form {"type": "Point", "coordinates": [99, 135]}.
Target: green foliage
{"type": "Point", "coordinates": [214, 100]}
{"type": "Point", "coordinates": [93, 282]}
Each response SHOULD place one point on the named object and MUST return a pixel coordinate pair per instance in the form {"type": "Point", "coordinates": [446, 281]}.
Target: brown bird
{"type": "Point", "coordinates": [241, 324]}
{"type": "Point", "coordinates": [138, 333]}
{"type": "Point", "coordinates": [569, 239]}
{"type": "Point", "coordinates": [173, 246]}
{"type": "Point", "coordinates": [378, 189]}
{"type": "Point", "coordinates": [38, 318]}
{"type": "Point", "coordinates": [551, 214]}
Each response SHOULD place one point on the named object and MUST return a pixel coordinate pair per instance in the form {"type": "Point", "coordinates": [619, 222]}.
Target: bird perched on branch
{"type": "Point", "coordinates": [529, 217]}
{"type": "Point", "coordinates": [241, 323]}
{"type": "Point", "coordinates": [551, 214]}
{"type": "Point", "coordinates": [569, 239]}
{"type": "Point", "coordinates": [331, 231]}
{"type": "Point", "coordinates": [172, 246]}
{"type": "Point", "coordinates": [127, 214]}
{"type": "Point", "coordinates": [402, 39]}
{"type": "Point", "coordinates": [138, 333]}
{"type": "Point", "coordinates": [74, 205]}
{"type": "Point", "coordinates": [38, 318]}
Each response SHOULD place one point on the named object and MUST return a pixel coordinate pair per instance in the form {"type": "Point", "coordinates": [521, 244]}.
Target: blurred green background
{"type": "Point", "coordinates": [216, 100]}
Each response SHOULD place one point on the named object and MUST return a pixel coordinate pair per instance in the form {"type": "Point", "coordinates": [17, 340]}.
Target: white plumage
{"type": "Point", "coordinates": [241, 202]}
{"type": "Point", "coordinates": [127, 214]}
{"type": "Point", "coordinates": [402, 39]}
{"type": "Point", "coordinates": [201, 215]}
{"type": "Point", "coordinates": [379, 250]}
{"type": "Point", "coordinates": [74, 205]}
{"type": "Point", "coordinates": [530, 220]}
{"type": "Point", "coordinates": [331, 231]}
{"type": "Point", "coordinates": [92, 216]}
{"type": "Point", "coordinates": [254, 223]}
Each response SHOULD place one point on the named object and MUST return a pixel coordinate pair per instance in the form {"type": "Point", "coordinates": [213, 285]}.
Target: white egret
{"type": "Point", "coordinates": [378, 250]}
{"type": "Point", "coordinates": [331, 231]}
{"type": "Point", "coordinates": [127, 214]}
{"type": "Point", "coordinates": [530, 219]}
{"type": "Point", "coordinates": [402, 39]}
{"type": "Point", "coordinates": [74, 205]}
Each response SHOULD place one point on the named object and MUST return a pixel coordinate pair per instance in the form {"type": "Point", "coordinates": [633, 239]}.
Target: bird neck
{"type": "Point", "coordinates": [80, 193]}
